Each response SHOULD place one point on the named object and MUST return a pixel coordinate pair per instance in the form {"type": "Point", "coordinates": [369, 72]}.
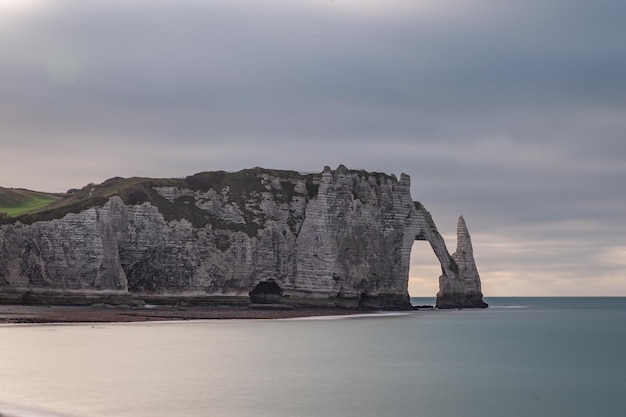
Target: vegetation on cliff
{"type": "Point", "coordinates": [31, 206]}
{"type": "Point", "coordinates": [18, 202]}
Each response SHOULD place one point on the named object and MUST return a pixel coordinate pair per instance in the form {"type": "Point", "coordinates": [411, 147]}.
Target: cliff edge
{"type": "Point", "coordinates": [339, 237]}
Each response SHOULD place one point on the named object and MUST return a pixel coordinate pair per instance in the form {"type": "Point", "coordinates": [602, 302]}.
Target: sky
{"type": "Point", "coordinates": [511, 113]}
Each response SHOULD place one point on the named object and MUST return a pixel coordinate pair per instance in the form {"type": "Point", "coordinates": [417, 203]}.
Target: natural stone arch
{"type": "Point", "coordinates": [459, 283]}
{"type": "Point", "coordinates": [424, 270]}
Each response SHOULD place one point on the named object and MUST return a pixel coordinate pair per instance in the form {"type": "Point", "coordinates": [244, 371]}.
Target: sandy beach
{"type": "Point", "coordinates": [110, 314]}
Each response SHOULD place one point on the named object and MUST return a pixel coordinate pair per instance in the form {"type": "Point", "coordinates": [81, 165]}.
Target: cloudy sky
{"type": "Point", "coordinates": [512, 113]}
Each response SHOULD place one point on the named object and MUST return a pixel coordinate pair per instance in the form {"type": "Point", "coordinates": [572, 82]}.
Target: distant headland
{"type": "Point", "coordinates": [334, 239]}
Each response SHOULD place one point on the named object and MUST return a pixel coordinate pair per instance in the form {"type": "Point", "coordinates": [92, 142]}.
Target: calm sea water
{"type": "Point", "coordinates": [521, 357]}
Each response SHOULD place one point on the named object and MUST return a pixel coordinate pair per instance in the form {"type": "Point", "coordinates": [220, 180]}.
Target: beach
{"type": "Point", "coordinates": [112, 314]}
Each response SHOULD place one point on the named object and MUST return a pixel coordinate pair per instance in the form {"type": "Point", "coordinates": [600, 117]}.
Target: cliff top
{"type": "Point", "coordinates": [17, 202]}
{"type": "Point", "coordinates": [28, 206]}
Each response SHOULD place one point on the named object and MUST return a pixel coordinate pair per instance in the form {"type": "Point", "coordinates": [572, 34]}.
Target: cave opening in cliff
{"type": "Point", "coordinates": [424, 271]}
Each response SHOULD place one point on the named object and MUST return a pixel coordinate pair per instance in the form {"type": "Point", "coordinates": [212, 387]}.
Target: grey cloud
{"type": "Point", "coordinates": [235, 64]}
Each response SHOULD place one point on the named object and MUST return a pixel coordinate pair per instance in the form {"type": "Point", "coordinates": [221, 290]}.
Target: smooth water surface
{"type": "Point", "coordinates": [521, 357]}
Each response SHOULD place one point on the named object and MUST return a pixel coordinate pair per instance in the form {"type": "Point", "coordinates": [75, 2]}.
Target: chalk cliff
{"type": "Point", "coordinates": [338, 236]}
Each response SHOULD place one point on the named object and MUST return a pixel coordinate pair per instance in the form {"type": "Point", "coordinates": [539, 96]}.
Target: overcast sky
{"type": "Point", "coordinates": [512, 113]}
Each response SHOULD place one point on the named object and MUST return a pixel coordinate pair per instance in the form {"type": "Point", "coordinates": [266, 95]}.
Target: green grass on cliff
{"type": "Point", "coordinates": [18, 202]}
{"type": "Point", "coordinates": [29, 206]}
{"type": "Point", "coordinates": [131, 190]}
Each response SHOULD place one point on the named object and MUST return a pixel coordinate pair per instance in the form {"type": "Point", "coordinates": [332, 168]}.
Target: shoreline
{"type": "Point", "coordinates": [24, 314]}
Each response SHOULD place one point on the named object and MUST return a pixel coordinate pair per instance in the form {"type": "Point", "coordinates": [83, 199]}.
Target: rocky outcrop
{"type": "Point", "coordinates": [341, 236]}
{"type": "Point", "coordinates": [466, 292]}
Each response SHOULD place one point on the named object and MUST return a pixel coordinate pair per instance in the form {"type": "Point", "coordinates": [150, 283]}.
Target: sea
{"type": "Point", "coordinates": [521, 357]}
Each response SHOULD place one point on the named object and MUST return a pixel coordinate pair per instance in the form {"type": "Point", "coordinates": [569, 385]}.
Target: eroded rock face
{"type": "Point", "coordinates": [338, 235]}
{"type": "Point", "coordinates": [467, 293]}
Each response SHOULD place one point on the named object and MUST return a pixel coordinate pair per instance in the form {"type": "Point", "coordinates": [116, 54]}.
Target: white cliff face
{"type": "Point", "coordinates": [78, 252]}
{"type": "Point", "coordinates": [354, 238]}
{"type": "Point", "coordinates": [339, 234]}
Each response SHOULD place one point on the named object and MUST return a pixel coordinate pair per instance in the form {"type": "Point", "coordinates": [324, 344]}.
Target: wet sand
{"type": "Point", "coordinates": [110, 314]}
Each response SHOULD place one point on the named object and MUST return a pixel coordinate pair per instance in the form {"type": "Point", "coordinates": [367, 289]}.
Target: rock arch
{"type": "Point", "coordinates": [459, 283]}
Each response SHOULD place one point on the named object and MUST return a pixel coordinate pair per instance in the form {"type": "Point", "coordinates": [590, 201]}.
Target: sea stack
{"type": "Point", "coordinates": [466, 293]}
